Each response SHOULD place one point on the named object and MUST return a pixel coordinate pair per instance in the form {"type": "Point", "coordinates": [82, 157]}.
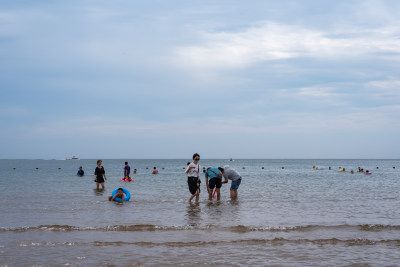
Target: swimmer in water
{"type": "Point", "coordinates": [120, 194]}
{"type": "Point", "coordinates": [80, 172]}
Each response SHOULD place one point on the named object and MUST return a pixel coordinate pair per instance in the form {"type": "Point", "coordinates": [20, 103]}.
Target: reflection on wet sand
{"type": "Point", "coordinates": [211, 203]}
{"type": "Point", "coordinates": [193, 212]}
{"type": "Point", "coordinates": [234, 201]}
{"type": "Point", "coordinates": [99, 192]}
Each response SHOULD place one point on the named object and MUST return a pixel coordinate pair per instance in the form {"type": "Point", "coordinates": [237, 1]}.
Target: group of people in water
{"type": "Point", "coordinates": [359, 170]}
{"type": "Point", "coordinates": [213, 176]}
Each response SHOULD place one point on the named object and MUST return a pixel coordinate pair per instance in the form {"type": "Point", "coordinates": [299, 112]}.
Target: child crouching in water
{"type": "Point", "coordinates": [120, 194]}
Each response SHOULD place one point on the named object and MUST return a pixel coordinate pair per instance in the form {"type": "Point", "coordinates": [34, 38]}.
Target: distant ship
{"type": "Point", "coordinates": [73, 157]}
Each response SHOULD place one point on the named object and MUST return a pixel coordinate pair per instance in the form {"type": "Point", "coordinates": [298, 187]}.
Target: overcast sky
{"type": "Point", "coordinates": [165, 79]}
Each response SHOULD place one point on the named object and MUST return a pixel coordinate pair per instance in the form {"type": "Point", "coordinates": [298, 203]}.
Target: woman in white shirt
{"type": "Point", "coordinates": [193, 172]}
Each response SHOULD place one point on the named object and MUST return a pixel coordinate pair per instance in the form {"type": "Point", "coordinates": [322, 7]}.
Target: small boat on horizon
{"type": "Point", "coordinates": [73, 158]}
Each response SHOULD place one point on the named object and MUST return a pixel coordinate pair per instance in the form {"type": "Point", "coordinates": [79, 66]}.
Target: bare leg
{"type": "Point", "coordinates": [234, 194]}
{"type": "Point", "coordinates": [197, 196]}
{"type": "Point", "coordinates": [191, 197]}
{"type": "Point", "coordinates": [218, 194]}
{"type": "Point", "coordinates": [210, 191]}
{"type": "Point", "coordinates": [102, 186]}
{"type": "Point", "coordinates": [97, 186]}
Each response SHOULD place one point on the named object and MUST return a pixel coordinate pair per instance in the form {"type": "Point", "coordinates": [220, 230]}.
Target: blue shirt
{"type": "Point", "coordinates": [212, 173]}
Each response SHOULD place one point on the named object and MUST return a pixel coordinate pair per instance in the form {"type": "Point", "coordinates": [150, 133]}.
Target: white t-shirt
{"type": "Point", "coordinates": [195, 172]}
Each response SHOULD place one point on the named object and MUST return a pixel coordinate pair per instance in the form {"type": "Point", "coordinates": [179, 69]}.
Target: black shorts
{"type": "Point", "coordinates": [99, 180]}
{"type": "Point", "coordinates": [215, 182]}
{"type": "Point", "coordinates": [192, 183]}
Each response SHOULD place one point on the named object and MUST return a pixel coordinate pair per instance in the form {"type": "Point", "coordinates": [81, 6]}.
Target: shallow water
{"type": "Point", "coordinates": [283, 217]}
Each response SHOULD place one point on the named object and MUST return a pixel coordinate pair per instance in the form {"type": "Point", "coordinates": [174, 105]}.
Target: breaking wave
{"type": "Point", "coordinates": [236, 229]}
{"type": "Point", "coordinates": [274, 241]}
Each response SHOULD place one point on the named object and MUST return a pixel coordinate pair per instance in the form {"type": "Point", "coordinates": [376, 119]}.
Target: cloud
{"type": "Point", "coordinates": [385, 88]}
{"type": "Point", "coordinates": [381, 92]}
{"type": "Point", "coordinates": [174, 71]}
{"type": "Point", "coordinates": [317, 92]}
{"type": "Point", "coordinates": [270, 41]}
{"type": "Point", "coordinates": [15, 112]}
{"type": "Point", "coordinates": [275, 122]}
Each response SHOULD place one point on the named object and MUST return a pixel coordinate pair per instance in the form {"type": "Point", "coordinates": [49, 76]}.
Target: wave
{"type": "Point", "coordinates": [235, 229]}
{"type": "Point", "coordinates": [274, 241]}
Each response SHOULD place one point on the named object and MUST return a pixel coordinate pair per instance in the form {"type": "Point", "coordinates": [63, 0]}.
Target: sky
{"type": "Point", "coordinates": [225, 79]}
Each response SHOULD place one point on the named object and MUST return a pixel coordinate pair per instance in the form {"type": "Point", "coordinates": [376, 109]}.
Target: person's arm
{"type": "Point", "coordinates": [198, 175]}
{"type": "Point", "coordinates": [220, 175]}
{"type": "Point", "coordinates": [104, 173]}
{"type": "Point", "coordinates": [206, 178]}
{"type": "Point", "coordinates": [225, 179]}
{"type": "Point", "coordinates": [189, 168]}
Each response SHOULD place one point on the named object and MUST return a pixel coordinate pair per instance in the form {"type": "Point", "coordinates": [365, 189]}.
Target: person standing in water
{"type": "Point", "coordinates": [215, 176]}
{"type": "Point", "coordinates": [231, 174]}
{"type": "Point", "coordinates": [99, 175]}
{"type": "Point", "coordinates": [193, 172]}
{"type": "Point", "coordinates": [127, 171]}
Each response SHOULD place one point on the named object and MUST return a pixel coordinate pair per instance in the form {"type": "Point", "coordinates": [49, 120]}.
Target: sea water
{"type": "Point", "coordinates": [286, 215]}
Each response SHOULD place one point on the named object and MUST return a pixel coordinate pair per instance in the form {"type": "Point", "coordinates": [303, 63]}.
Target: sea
{"type": "Point", "coordinates": [286, 214]}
